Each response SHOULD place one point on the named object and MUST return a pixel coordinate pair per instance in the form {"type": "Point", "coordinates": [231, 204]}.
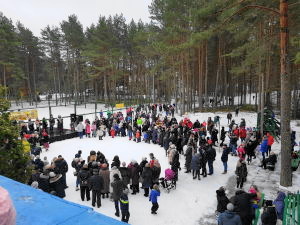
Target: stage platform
{"type": "Point", "coordinates": [57, 136]}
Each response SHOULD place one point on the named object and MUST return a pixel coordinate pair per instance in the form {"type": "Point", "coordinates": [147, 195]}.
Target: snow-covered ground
{"type": "Point", "coordinates": [193, 201]}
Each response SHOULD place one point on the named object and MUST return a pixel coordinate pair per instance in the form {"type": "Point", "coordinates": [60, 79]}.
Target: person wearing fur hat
{"type": "Point", "coordinates": [125, 174]}
{"type": "Point", "coordinates": [105, 174]}
{"type": "Point", "coordinates": [61, 167]}
{"type": "Point", "coordinates": [44, 180]}
{"type": "Point", "coordinates": [124, 205]}
{"type": "Point", "coordinates": [56, 184]}
{"type": "Point", "coordinates": [95, 183]}
{"type": "Point", "coordinates": [117, 189]}
{"type": "Point", "coordinates": [229, 217]}
{"type": "Point", "coordinates": [83, 176]}
{"type": "Point", "coordinates": [155, 192]}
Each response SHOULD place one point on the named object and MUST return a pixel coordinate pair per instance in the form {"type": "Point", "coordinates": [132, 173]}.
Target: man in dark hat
{"type": "Point", "coordinates": [118, 186]}
{"type": "Point", "coordinates": [96, 185]}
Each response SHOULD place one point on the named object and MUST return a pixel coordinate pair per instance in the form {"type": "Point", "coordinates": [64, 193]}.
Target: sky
{"type": "Point", "coordinates": [37, 14]}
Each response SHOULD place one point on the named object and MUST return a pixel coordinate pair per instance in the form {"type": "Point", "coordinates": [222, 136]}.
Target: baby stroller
{"type": "Point", "coordinates": [169, 181]}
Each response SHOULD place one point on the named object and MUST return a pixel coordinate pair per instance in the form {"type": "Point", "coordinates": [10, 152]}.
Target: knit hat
{"type": "Point", "coordinates": [85, 166]}
{"type": "Point", "coordinates": [126, 191]}
{"type": "Point", "coordinates": [230, 207]}
{"type": "Point", "coordinates": [52, 174]}
{"type": "Point", "coordinates": [35, 184]}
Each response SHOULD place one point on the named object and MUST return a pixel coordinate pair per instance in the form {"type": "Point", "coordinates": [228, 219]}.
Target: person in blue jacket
{"type": "Point", "coordinates": [264, 147]}
{"type": "Point", "coordinates": [279, 204]}
{"type": "Point", "coordinates": [124, 205]}
{"type": "Point", "coordinates": [155, 192]}
{"type": "Point", "coordinates": [229, 217]}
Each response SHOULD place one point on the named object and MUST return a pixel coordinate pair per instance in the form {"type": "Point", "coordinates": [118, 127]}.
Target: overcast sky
{"type": "Point", "coordinates": [37, 14]}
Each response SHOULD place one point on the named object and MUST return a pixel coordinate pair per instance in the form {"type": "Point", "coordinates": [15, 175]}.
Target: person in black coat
{"type": "Point", "coordinates": [61, 167]}
{"type": "Point", "coordinates": [243, 206]}
{"type": "Point", "coordinates": [175, 166]}
{"type": "Point", "coordinates": [222, 200]}
{"type": "Point", "coordinates": [116, 162]}
{"type": "Point", "coordinates": [135, 175]}
{"type": "Point", "coordinates": [83, 177]}
{"type": "Point", "coordinates": [223, 136]}
{"type": "Point", "coordinates": [269, 216]}
{"type": "Point", "coordinates": [203, 160]}
{"type": "Point", "coordinates": [211, 155]}
{"type": "Point", "coordinates": [224, 157]}
{"type": "Point", "coordinates": [188, 158]}
{"type": "Point", "coordinates": [143, 163]}
{"type": "Point", "coordinates": [214, 136]}
{"type": "Point", "coordinates": [196, 165]}
{"type": "Point", "coordinates": [95, 183]}
{"type": "Point", "coordinates": [56, 184]}
{"type": "Point", "coordinates": [39, 163]}
{"type": "Point", "coordinates": [250, 148]}
{"type": "Point", "coordinates": [125, 173]}
{"type": "Point", "coordinates": [147, 179]}
{"type": "Point", "coordinates": [270, 161]}
{"type": "Point", "coordinates": [117, 190]}
{"type": "Point", "coordinates": [241, 173]}
{"type": "Point", "coordinates": [43, 181]}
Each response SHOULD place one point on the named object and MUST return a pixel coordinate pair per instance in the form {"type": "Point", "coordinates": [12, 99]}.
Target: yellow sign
{"type": "Point", "coordinates": [25, 115]}
{"type": "Point", "coordinates": [121, 105]}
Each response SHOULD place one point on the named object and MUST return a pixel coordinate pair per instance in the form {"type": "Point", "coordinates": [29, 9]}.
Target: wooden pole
{"type": "Point", "coordinates": [285, 107]}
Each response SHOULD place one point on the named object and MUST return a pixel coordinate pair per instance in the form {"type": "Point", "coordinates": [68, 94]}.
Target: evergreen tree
{"type": "Point", "coordinates": [14, 161]}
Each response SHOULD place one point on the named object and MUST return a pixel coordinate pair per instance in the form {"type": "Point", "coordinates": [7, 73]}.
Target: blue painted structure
{"type": "Point", "coordinates": [35, 207]}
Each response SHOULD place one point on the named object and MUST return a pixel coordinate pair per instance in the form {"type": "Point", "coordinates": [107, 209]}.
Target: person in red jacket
{"type": "Point", "coordinates": [242, 133]}
{"type": "Point", "coordinates": [270, 143]}
{"type": "Point", "coordinates": [112, 132]}
{"type": "Point", "coordinates": [138, 136]}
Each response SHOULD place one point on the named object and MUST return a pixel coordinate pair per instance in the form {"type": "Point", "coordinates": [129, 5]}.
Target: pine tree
{"type": "Point", "coordinates": [14, 161]}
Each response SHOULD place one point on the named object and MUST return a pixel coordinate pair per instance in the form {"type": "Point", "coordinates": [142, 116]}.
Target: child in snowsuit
{"type": "Point", "coordinates": [155, 192]}
{"type": "Point", "coordinates": [124, 205]}
{"type": "Point", "coordinates": [100, 133]}
{"type": "Point", "coordinates": [138, 136]}
{"type": "Point", "coordinates": [112, 132]}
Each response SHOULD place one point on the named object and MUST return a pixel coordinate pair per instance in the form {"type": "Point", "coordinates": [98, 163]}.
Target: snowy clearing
{"type": "Point", "coordinates": [193, 200]}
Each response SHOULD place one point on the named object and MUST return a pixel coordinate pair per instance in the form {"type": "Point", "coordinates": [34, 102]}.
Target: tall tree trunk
{"type": "Point", "coordinates": [286, 172]}
{"type": "Point", "coordinates": [206, 74]}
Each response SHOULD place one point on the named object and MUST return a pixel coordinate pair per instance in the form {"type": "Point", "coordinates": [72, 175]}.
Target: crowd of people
{"type": "Point", "coordinates": [196, 141]}
{"type": "Point", "coordinates": [240, 208]}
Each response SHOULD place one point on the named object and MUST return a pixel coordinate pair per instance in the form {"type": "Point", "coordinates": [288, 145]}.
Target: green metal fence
{"type": "Point", "coordinates": [291, 214]}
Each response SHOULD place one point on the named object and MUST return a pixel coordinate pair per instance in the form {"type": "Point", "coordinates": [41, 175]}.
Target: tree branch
{"type": "Point", "coordinates": [251, 6]}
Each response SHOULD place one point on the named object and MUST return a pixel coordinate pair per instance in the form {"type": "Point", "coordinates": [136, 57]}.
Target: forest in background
{"type": "Point", "coordinates": [197, 52]}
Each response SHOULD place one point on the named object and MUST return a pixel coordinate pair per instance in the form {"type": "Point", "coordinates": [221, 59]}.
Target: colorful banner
{"type": "Point", "coordinates": [121, 105]}
{"type": "Point", "coordinates": [24, 115]}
